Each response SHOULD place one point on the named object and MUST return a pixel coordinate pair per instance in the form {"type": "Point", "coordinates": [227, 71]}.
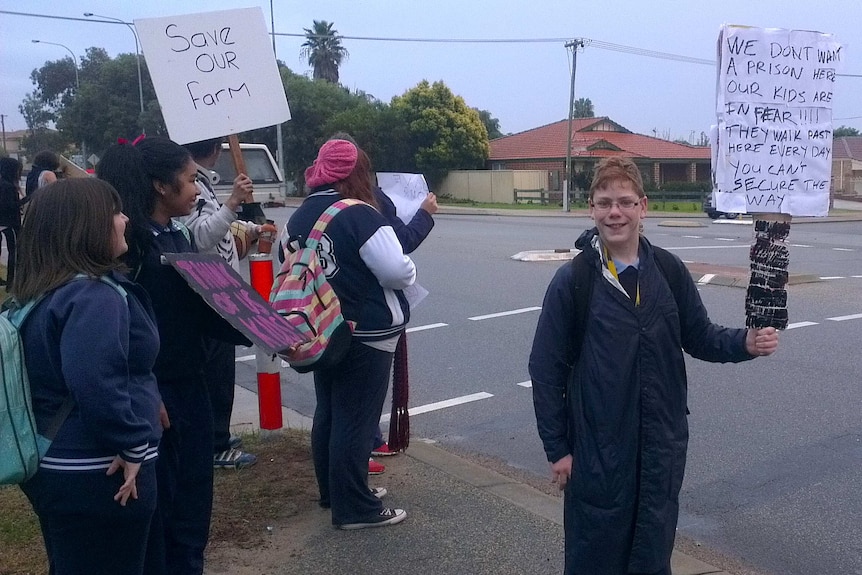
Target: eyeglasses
{"type": "Point", "coordinates": [625, 204]}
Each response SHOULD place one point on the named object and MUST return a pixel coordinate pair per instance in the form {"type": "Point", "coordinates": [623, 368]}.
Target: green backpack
{"type": "Point", "coordinates": [21, 446]}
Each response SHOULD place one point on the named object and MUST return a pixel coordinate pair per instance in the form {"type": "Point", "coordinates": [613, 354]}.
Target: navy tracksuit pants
{"type": "Point", "coordinates": [180, 527]}
{"type": "Point", "coordinates": [350, 397]}
{"type": "Point", "coordinates": [84, 529]}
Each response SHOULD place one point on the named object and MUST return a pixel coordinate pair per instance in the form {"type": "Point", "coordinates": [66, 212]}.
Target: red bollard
{"type": "Point", "coordinates": [268, 375]}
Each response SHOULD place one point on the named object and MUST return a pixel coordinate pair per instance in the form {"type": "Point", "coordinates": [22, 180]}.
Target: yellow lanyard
{"type": "Point", "coordinates": [613, 269]}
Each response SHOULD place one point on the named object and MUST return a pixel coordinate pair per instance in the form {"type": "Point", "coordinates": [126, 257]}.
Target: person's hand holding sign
{"type": "Point", "coordinates": [760, 342]}
{"type": "Point", "coordinates": [241, 192]}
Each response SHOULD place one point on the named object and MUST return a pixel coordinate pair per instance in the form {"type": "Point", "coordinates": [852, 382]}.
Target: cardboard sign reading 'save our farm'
{"type": "Point", "coordinates": [214, 73]}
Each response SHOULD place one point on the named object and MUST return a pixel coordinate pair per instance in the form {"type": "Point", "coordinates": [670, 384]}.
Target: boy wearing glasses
{"type": "Point", "coordinates": [609, 389]}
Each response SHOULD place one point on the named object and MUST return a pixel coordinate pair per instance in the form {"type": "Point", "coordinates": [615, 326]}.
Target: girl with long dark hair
{"type": "Point", "coordinates": [156, 180]}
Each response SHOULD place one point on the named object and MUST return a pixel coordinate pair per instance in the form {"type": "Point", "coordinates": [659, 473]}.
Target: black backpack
{"type": "Point", "coordinates": [585, 273]}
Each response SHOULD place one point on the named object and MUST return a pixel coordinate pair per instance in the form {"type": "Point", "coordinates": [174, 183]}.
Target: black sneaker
{"type": "Point", "coordinates": [386, 517]}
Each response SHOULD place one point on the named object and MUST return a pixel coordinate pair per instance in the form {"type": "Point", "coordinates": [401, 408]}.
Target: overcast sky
{"type": "Point", "coordinates": [524, 84]}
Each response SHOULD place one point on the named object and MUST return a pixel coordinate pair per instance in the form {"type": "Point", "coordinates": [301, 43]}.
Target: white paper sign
{"type": "Point", "coordinates": [772, 150]}
{"type": "Point", "coordinates": [214, 73]}
{"type": "Point", "coordinates": [407, 192]}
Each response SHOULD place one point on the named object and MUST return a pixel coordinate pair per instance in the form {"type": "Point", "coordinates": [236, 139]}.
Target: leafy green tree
{"type": "Point", "coordinates": [492, 124]}
{"type": "Point", "coordinates": [43, 139]}
{"type": "Point", "coordinates": [105, 107]}
{"type": "Point", "coordinates": [583, 108]}
{"type": "Point", "coordinates": [108, 105]}
{"type": "Point", "coordinates": [437, 130]}
{"type": "Point", "coordinates": [843, 131]}
{"type": "Point", "coordinates": [56, 83]}
{"type": "Point", "coordinates": [324, 51]}
{"type": "Point", "coordinates": [36, 116]}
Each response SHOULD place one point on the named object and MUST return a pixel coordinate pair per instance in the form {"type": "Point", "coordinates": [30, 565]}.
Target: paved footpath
{"type": "Point", "coordinates": [463, 518]}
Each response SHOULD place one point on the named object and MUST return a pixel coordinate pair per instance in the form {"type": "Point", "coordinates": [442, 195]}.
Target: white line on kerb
{"type": "Point", "coordinates": [442, 404]}
{"type": "Point", "coordinates": [705, 279]}
{"type": "Point", "coordinates": [845, 317]}
{"type": "Point", "coordinates": [527, 383]}
{"type": "Point", "coordinates": [245, 358]}
{"type": "Point", "coordinates": [707, 247]}
{"type": "Point", "coordinates": [832, 277]}
{"type": "Point", "coordinates": [503, 313]}
{"type": "Point", "coordinates": [424, 327]}
{"type": "Point", "coordinates": [800, 324]}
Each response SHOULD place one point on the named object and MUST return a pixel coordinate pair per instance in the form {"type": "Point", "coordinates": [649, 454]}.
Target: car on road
{"type": "Point", "coordinates": [262, 169]}
{"type": "Point", "coordinates": [713, 213]}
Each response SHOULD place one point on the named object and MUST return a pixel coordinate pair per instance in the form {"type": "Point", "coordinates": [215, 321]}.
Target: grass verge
{"type": "Point", "coordinates": [245, 504]}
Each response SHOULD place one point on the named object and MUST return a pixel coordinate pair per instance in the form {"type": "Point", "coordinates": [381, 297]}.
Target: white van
{"type": "Point", "coordinates": [269, 187]}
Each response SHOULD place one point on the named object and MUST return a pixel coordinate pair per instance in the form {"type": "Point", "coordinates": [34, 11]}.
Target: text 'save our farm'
{"type": "Point", "coordinates": [214, 73]}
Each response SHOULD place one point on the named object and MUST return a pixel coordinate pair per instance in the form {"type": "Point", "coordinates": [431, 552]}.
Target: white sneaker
{"type": "Point", "coordinates": [379, 492]}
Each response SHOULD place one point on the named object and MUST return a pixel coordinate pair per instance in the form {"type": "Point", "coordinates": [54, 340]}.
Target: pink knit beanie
{"type": "Point", "coordinates": [335, 161]}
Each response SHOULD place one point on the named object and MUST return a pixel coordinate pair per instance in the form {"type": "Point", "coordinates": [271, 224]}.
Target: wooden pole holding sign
{"type": "Point", "coordinates": [236, 154]}
{"type": "Point", "coordinates": [249, 211]}
{"type": "Point", "coordinates": [766, 297]}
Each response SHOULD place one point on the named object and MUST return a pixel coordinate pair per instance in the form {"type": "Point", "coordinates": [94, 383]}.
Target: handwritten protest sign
{"type": "Point", "coordinates": [214, 73]}
{"type": "Point", "coordinates": [237, 302]}
{"type": "Point", "coordinates": [772, 150]}
{"type": "Point", "coordinates": [407, 191]}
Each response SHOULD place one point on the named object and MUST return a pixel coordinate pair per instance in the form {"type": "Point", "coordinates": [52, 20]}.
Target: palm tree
{"type": "Point", "coordinates": [324, 51]}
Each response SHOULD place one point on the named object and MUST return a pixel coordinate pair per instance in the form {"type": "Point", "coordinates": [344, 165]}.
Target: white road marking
{"type": "Point", "coordinates": [503, 313]}
{"type": "Point", "coordinates": [845, 317]}
{"type": "Point", "coordinates": [800, 324]}
{"type": "Point", "coordinates": [245, 358]}
{"type": "Point", "coordinates": [442, 404]}
{"type": "Point", "coordinates": [844, 249]}
{"type": "Point", "coordinates": [424, 327]}
{"type": "Point", "coordinates": [705, 279]}
{"type": "Point", "coordinates": [800, 246]}
{"type": "Point", "coordinates": [527, 383]}
{"type": "Point", "coordinates": [725, 239]}
{"type": "Point", "coordinates": [832, 277]}
{"type": "Point", "coordinates": [707, 247]}
{"type": "Point", "coordinates": [856, 276]}
{"type": "Point", "coordinates": [693, 237]}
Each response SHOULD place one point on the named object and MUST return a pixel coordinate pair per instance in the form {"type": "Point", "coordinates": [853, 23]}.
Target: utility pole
{"type": "Point", "coordinates": [574, 45]}
{"type": "Point", "coordinates": [3, 125]}
{"type": "Point", "coordinates": [279, 153]}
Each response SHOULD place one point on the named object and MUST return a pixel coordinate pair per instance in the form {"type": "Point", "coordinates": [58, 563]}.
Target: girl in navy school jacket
{"type": "Point", "coordinates": [91, 336]}
{"type": "Point", "coordinates": [156, 177]}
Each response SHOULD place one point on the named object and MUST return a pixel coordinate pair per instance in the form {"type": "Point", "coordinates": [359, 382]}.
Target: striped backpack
{"type": "Point", "coordinates": [303, 296]}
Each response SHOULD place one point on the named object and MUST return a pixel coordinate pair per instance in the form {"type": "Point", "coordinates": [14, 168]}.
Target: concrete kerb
{"type": "Point", "coordinates": [245, 419]}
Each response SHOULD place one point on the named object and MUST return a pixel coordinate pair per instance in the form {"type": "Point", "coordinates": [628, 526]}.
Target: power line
{"type": "Point", "coordinates": [586, 41]}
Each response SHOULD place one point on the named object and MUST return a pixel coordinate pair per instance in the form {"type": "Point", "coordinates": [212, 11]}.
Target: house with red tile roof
{"type": "Point", "coordinates": [847, 166]}
{"type": "Point", "coordinates": [544, 148]}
